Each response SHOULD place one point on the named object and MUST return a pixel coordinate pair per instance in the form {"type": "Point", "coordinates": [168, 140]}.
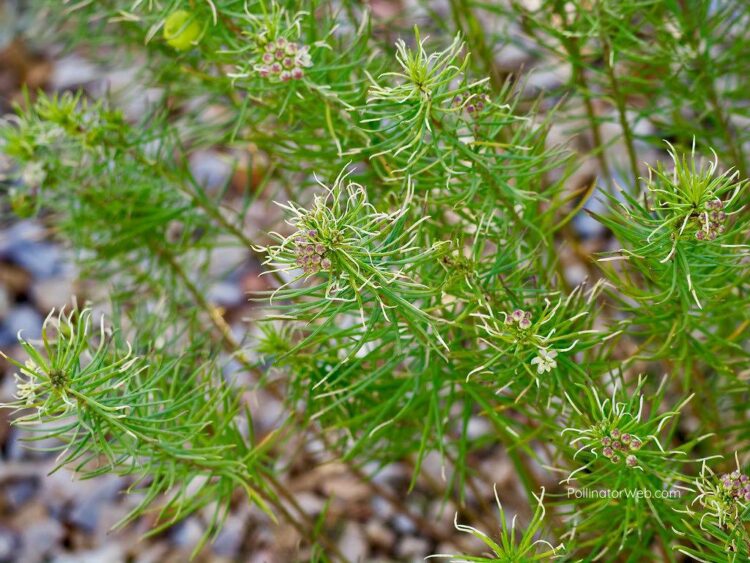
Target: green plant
{"type": "Point", "coordinates": [421, 265]}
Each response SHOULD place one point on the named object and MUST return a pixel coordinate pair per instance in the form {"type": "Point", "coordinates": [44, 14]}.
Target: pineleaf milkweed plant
{"type": "Point", "coordinates": [430, 293]}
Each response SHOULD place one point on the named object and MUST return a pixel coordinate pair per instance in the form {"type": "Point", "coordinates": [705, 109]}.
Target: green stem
{"type": "Point", "coordinates": [621, 110]}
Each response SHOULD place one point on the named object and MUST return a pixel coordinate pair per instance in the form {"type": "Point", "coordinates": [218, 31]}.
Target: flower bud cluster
{"type": "Point", "coordinates": [736, 485]}
{"type": "Point", "coordinates": [473, 104]}
{"type": "Point", "coordinates": [519, 317]}
{"type": "Point", "coordinates": [311, 253]}
{"type": "Point", "coordinates": [283, 60]}
{"type": "Point", "coordinates": [617, 444]}
{"type": "Point", "coordinates": [711, 221]}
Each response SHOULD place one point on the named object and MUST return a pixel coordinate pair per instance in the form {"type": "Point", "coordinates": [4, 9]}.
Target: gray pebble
{"type": "Point", "coordinates": [20, 490]}
{"type": "Point", "coordinates": [225, 294]}
{"type": "Point", "coordinates": [39, 539]}
{"type": "Point", "coordinates": [9, 544]}
{"type": "Point", "coordinates": [52, 293]}
{"type": "Point", "coordinates": [22, 318]}
{"type": "Point", "coordinates": [86, 514]}
{"type": "Point", "coordinates": [230, 538]}
{"type": "Point", "coordinates": [412, 548]}
{"type": "Point", "coordinates": [210, 169]}
{"type": "Point", "coordinates": [353, 543]}
{"type": "Point", "coordinates": [187, 533]}
{"type": "Point", "coordinates": [403, 524]}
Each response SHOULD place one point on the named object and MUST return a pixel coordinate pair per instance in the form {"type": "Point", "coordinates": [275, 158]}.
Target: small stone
{"type": "Point", "coordinates": [310, 503]}
{"type": "Point", "coordinates": [9, 544]}
{"type": "Point", "coordinates": [382, 508]}
{"type": "Point", "coordinates": [412, 548]}
{"type": "Point", "coordinates": [23, 318]}
{"type": "Point", "coordinates": [4, 302]}
{"type": "Point", "coordinates": [40, 259]}
{"type": "Point", "coordinates": [87, 512]}
{"type": "Point", "coordinates": [52, 293]}
{"type": "Point", "coordinates": [353, 543]}
{"type": "Point", "coordinates": [229, 540]}
{"type": "Point", "coordinates": [210, 169]}
{"type": "Point", "coordinates": [225, 294]}
{"type": "Point", "coordinates": [380, 535]}
{"type": "Point", "coordinates": [187, 533]}
{"type": "Point", "coordinates": [112, 551]}
{"type": "Point", "coordinates": [403, 524]}
{"type": "Point", "coordinates": [20, 489]}
{"type": "Point", "coordinates": [40, 538]}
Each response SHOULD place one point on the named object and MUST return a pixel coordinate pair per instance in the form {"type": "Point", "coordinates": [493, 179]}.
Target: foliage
{"type": "Point", "coordinates": [422, 267]}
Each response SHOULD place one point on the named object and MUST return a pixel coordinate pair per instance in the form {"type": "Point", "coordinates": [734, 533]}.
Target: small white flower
{"type": "Point", "coordinates": [545, 361]}
{"type": "Point", "coordinates": [33, 174]}
{"type": "Point", "coordinates": [302, 57]}
{"type": "Point", "coordinates": [26, 389]}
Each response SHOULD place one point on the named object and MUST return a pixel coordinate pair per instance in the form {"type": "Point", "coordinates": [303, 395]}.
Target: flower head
{"type": "Point", "coordinates": [545, 360]}
{"type": "Point", "coordinates": [33, 174]}
{"type": "Point", "coordinates": [723, 497]}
